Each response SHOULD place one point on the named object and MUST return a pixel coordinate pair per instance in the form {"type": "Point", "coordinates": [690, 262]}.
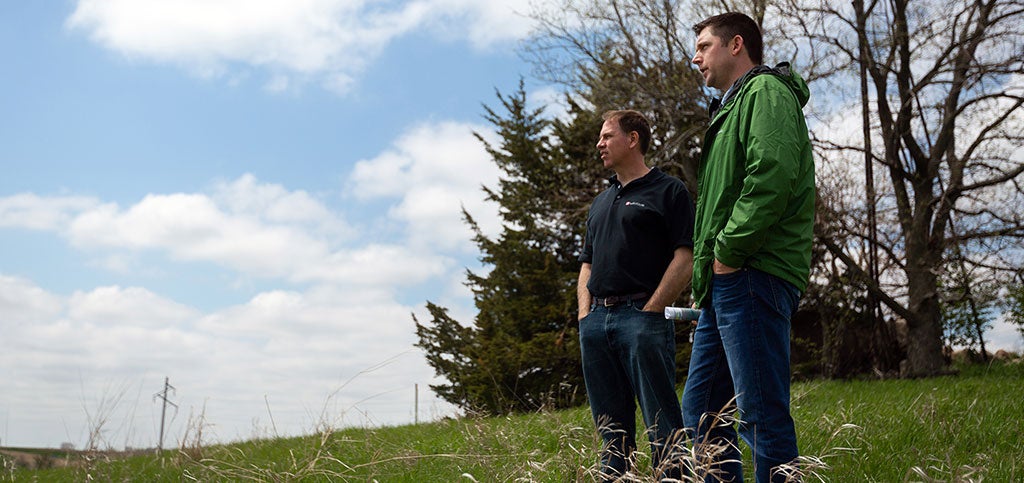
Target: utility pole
{"type": "Point", "coordinates": [416, 406]}
{"type": "Point", "coordinates": [163, 413]}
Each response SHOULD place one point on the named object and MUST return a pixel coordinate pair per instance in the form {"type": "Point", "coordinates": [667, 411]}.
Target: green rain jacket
{"type": "Point", "coordinates": [755, 200]}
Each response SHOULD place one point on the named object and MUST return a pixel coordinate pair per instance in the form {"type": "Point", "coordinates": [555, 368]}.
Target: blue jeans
{"type": "Point", "coordinates": [627, 354]}
{"type": "Point", "coordinates": [741, 348]}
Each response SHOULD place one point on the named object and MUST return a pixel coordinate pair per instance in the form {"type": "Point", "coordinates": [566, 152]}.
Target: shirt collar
{"type": "Point", "coordinates": [653, 173]}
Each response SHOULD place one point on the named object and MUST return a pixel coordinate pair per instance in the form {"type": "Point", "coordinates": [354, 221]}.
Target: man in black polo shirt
{"type": "Point", "coordinates": [637, 258]}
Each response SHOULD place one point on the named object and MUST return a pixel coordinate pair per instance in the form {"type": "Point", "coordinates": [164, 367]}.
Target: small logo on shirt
{"type": "Point", "coordinates": [636, 203]}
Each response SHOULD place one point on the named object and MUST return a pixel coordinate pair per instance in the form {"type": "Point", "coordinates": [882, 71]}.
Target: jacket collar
{"type": "Point", "coordinates": [782, 70]}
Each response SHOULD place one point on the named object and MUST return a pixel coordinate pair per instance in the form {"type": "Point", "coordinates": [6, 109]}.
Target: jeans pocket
{"type": "Point", "coordinates": [639, 309]}
{"type": "Point", "coordinates": [730, 291]}
{"type": "Point", "coordinates": [732, 281]}
{"type": "Point", "coordinates": [593, 308]}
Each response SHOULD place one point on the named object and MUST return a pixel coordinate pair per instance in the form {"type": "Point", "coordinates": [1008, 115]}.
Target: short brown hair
{"type": "Point", "coordinates": [632, 121]}
{"type": "Point", "coordinates": [728, 25]}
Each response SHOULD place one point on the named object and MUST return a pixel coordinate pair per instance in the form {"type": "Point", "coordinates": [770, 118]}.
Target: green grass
{"type": "Point", "coordinates": [956, 428]}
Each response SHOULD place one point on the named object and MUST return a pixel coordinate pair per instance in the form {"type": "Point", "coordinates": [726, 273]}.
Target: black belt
{"type": "Point", "coordinates": [620, 299]}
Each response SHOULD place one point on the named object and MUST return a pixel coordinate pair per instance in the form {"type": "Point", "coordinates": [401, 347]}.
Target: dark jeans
{"type": "Point", "coordinates": [741, 348]}
{"type": "Point", "coordinates": [630, 354]}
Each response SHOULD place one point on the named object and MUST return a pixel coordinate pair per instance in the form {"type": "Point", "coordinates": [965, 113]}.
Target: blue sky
{"type": "Point", "coordinates": [248, 198]}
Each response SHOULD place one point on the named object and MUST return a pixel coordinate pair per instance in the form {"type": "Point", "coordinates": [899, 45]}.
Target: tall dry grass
{"type": "Point", "coordinates": [949, 429]}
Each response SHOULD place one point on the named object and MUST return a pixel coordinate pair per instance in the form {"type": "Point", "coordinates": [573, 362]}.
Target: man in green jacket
{"type": "Point", "coordinates": [752, 247]}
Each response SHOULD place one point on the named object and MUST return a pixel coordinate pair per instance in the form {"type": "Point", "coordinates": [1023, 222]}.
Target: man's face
{"type": "Point", "coordinates": [613, 143]}
{"type": "Point", "coordinates": [714, 59]}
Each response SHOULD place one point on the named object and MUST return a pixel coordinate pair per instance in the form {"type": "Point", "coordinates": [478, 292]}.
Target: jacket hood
{"type": "Point", "coordinates": [783, 71]}
{"type": "Point", "coordinates": [793, 81]}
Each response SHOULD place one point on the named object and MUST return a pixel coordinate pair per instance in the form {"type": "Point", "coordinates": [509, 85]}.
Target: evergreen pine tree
{"type": "Point", "coordinates": [522, 353]}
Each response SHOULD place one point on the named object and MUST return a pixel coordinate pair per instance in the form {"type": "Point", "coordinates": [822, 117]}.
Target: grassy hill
{"type": "Point", "coordinates": [956, 428]}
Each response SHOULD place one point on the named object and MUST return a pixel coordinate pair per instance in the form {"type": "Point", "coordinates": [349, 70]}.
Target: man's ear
{"type": "Point", "coordinates": [736, 45]}
{"type": "Point", "coordinates": [634, 138]}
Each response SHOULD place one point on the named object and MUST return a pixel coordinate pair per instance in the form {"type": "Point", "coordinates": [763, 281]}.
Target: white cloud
{"type": "Point", "coordinates": [273, 203]}
{"type": "Point", "coordinates": [114, 305]}
{"type": "Point", "coordinates": [193, 227]}
{"type": "Point", "coordinates": [552, 100]}
{"type": "Point", "coordinates": [23, 304]}
{"type": "Point", "coordinates": [488, 23]}
{"type": "Point", "coordinates": [28, 210]}
{"type": "Point", "coordinates": [1004, 335]}
{"type": "Point", "coordinates": [255, 229]}
{"type": "Point", "coordinates": [436, 169]}
{"type": "Point", "coordinates": [379, 265]}
{"type": "Point", "coordinates": [300, 352]}
{"type": "Point", "coordinates": [330, 41]}
{"type": "Point", "coordinates": [301, 36]}
{"type": "Point", "coordinates": [428, 154]}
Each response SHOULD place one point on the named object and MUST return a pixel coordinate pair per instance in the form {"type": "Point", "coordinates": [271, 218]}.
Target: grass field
{"type": "Point", "coordinates": [956, 428]}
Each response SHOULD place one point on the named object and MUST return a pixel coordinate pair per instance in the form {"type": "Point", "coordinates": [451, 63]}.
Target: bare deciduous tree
{"type": "Point", "coordinates": [945, 86]}
{"type": "Point", "coordinates": [628, 54]}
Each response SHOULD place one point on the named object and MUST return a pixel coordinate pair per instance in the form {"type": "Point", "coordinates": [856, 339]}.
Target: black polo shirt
{"type": "Point", "coordinates": [633, 231]}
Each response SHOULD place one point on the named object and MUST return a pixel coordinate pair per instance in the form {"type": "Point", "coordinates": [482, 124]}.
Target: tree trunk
{"type": "Point", "coordinates": [924, 329]}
